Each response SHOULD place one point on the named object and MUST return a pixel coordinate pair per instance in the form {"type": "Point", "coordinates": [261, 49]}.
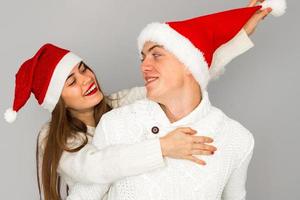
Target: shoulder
{"type": "Point", "coordinates": [238, 139]}
{"type": "Point", "coordinates": [234, 130]}
{"type": "Point", "coordinates": [121, 125]}
{"type": "Point", "coordinates": [240, 133]}
{"type": "Point", "coordinates": [72, 142]}
{"type": "Point", "coordinates": [126, 112]}
{"type": "Point", "coordinates": [43, 134]}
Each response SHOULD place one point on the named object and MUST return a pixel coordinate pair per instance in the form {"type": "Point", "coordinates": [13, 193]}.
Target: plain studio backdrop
{"type": "Point", "coordinates": [260, 88]}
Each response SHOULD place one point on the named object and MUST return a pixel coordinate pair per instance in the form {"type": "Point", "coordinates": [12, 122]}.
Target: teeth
{"type": "Point", "coordinates": [150, 79]}
{"type": "Point", "coordinates": [90, 90]}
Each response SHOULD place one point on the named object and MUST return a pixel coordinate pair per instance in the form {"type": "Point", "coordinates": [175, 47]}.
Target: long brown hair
{"type": "Point", "coordinates": [63, 126]}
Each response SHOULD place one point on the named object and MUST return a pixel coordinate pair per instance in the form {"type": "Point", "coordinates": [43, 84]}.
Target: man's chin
{"type": "Point", "coordinates": [151, 95]}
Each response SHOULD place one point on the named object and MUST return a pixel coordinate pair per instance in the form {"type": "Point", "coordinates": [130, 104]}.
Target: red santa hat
{"type": "Point", "coordinates": [194, 41]}
{"type": "Point", "coordinates": [43, 75]}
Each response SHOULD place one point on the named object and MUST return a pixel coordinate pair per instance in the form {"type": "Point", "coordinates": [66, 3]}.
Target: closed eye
{"type": "Point", "coordinates": [72, 83]}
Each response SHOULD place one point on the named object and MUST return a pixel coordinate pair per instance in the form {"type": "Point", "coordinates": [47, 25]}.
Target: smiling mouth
{"type": "Point", "coordinates": [92, 90]}
{"type": "Point", "coordinates": [149, 80]}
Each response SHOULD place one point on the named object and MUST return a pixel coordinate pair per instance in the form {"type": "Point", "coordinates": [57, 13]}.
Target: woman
{"type": "Point", "coordinates": [66, 87]}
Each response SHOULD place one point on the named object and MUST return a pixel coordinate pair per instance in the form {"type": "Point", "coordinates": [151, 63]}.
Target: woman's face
{"type": "Point", "coordinates": [81, 92]}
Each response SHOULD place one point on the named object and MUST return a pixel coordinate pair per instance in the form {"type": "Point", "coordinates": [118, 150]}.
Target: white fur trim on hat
{"type": "Point", "coordinates": [60, 74]}
{"type": "Point", "coordinates": [278, 6]}
{"type": "Point", "coordinates": [178, 45]}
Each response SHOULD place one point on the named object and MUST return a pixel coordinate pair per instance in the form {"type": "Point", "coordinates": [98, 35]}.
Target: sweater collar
{"type": "Point", "coordinates": [196, 115]}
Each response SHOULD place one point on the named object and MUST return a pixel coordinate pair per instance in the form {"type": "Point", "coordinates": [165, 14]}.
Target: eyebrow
{"type": "Point", "coordinates": [151, 48]}
{"type": "Point", "coordinates": [81, 63]}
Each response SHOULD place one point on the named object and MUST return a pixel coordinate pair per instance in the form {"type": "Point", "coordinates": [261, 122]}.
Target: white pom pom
{"type": "Point", "coordinates": [278, 6]}
{"type": "Point", "coordinates": [10, 115]}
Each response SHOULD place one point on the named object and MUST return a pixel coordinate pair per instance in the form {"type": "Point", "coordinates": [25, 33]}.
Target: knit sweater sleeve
{"type": "Point", "coordinates": [228, 51]}
{"type": "Point", "coordinates": [88, 192]}
{"type": "Point", "coordinates": [102, 164]}
{"type": "Point", "coordinates": [126, 96]}
{"type": "Point", "coordinates": [41, 142]}
{"type": "Point", "coordinates": [235, 188]}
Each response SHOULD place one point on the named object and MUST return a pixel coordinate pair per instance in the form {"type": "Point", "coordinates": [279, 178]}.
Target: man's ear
{"type": "Point", "coordinates": [187, 71]}
{"type": "Point", "coordinates": [189, 74]}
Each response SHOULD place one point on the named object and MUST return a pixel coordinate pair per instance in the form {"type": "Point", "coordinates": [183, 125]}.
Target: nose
{"type": "Point", "coordinates": [85, 79]}
{"type": "Point", "coordinates": [146, 65]}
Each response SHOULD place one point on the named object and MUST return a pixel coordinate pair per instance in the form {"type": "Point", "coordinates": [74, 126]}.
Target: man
{"type": "Point", "coordinates": [177, 67]}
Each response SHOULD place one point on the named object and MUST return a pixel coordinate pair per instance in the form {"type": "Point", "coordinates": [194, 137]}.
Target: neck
{"type": "Point", "coordinates": [86, 116]}
{"type": "Point", "coordinates": [181, 103]}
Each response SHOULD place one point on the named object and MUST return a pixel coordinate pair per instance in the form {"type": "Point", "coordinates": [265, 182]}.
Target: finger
{"type": "Point", "coordinates": [254, 2]}
{"type": "Point", "coordinates": [265, 13]}
{"type": "Point", "coordinates": [188, 130]}
{"type": "Point", "coordinates": [204, 147]}
{"type": "Point", "coordinates": [260, 1]}
{"type": "Point", "coordinates": [202, 139]}
{"type": "Point", "coordinates": [202, 152]}
{"type": "Point", "coordinates": [195, 160]}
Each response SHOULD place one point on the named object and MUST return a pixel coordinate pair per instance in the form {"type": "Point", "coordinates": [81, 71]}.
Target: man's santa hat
{"type": "Point", "coordinates": [194, 41]}
{"type": "Point", "coordinates": [43, 75]}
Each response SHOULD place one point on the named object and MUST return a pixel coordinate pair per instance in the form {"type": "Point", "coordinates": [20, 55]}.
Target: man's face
{"type": "Point", "coordinates": [163, 73]}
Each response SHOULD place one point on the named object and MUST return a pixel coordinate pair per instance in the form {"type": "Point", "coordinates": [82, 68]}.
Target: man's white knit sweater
{"type": "Point", "coordinates": [224, 176]}
{"type": "Point", "coordinates": [93, 165]}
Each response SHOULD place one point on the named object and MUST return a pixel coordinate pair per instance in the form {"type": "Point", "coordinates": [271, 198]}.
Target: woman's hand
{"type": "Point", "coordinates": [183, 144]}
{"type": "Point", "coordinates": [256, 18]}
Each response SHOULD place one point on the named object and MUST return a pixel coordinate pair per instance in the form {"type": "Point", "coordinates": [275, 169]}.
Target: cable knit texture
{"type": "Point", "coordinates": [105, 165]}
{"type": "Point", "coordinates": [223, 177]}
{"type": "Point", "coordinates": [89, 171]}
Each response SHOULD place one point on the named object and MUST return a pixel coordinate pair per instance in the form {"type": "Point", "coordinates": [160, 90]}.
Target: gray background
{"type": "Point", "coordinates": [260, 88]}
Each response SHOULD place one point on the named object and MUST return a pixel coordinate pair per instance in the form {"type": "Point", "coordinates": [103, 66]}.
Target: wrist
{"type": "Point", "coordinates": [163, 146]}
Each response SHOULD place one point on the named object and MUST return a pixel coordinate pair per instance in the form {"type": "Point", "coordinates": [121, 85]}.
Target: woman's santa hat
{"type": "Point", "coordinates": [43, 75]}
{"type": "Point", "coordinates": [194, 41]}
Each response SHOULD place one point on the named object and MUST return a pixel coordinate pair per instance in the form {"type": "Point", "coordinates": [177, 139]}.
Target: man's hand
{"type": "Point", "coordinates": [256, 18]}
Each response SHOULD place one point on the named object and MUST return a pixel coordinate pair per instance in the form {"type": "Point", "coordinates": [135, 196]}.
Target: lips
{"type": "Point", "coordinates": [91, 89]}
{"type": "Point", "coordinates": [149, 80]}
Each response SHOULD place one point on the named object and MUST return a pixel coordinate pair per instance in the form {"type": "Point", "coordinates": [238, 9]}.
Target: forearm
{"type": "Point", "coordinates": [88, 192]}
{"type": "Point", "coordinates": [126, 96]}
{"type": "Point", "coordinates": [227, 52]}
{"type": "Point", "coordinates": [91, 165]}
